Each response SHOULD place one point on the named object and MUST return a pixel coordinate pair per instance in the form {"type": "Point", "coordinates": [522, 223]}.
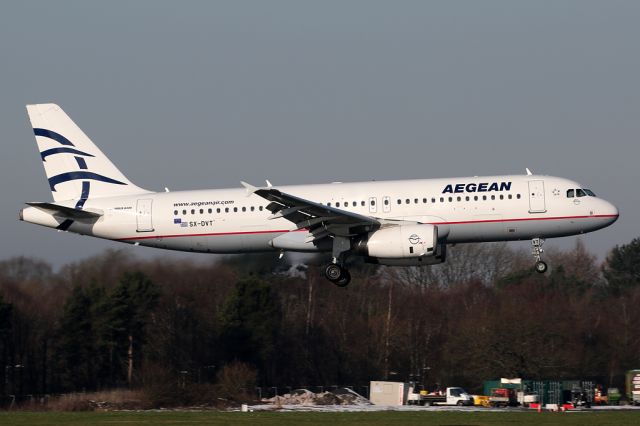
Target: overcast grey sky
{"type": "Point", "coordinates": [205, 94]}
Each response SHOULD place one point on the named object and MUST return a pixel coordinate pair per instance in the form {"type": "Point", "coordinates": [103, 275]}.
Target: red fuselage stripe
{"type": "Point", "coordinates": [282, 231]}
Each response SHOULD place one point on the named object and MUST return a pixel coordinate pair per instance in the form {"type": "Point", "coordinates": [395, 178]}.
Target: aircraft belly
{"type": "Point", "coordinates": [220, 244]}
{"type": "Point", "coordinates": [512, 230]}
{"type": "Point", "coordinates": [477, 231]}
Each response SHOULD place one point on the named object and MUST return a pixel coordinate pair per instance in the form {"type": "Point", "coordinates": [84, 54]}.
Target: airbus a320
{"type": "Point", "coordinates": [397, 223]}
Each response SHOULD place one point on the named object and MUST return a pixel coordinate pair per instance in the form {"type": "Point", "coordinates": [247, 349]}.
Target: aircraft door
{"type": "Point", "coordinates": [373, 204]}
{"type": "Point", "coordinates": [536, 197]}
{"type": "Point", "coordinates": [386, 204]}
{"type": "Point", "coordinates": [143, 215]}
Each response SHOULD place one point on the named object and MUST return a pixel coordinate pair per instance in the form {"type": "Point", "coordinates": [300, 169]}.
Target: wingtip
{"type": "Point", "coordinates": [250, 188]}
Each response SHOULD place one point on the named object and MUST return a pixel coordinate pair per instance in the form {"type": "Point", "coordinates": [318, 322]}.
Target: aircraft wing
{"type": "Point", "coordinates": [322, 221]}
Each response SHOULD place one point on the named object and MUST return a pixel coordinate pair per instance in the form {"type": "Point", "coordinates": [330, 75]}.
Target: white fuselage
{"type": "Point", "coordinates": [471, 209]}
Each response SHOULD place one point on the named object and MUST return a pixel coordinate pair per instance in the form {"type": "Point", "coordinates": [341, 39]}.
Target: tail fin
{"type": "Point", "coordinates": [74, 165]}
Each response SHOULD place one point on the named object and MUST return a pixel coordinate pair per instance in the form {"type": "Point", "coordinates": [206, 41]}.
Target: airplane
{"type": "Point", "coordinates": [396, 223]}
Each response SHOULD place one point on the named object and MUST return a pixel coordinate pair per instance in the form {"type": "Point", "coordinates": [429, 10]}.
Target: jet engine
{"type": "Point", "coordinates": [400, 242]}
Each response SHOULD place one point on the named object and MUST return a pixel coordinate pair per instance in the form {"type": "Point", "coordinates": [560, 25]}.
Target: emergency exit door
{"type": "Point", "coordinates": [536, 197]}
{"type": "Point", "coordinates": [143, 216]}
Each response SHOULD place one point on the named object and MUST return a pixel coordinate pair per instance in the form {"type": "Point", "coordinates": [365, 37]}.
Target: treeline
{"type": "Point", "coordinates": [186, 331]}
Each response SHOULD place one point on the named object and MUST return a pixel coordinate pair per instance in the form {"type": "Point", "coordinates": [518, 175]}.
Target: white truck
{"type": "Point", "coordinates": [451, 396]}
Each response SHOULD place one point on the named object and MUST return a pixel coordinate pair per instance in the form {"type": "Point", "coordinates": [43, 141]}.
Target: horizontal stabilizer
{"type": "Point", "coordinates": [68, 212]}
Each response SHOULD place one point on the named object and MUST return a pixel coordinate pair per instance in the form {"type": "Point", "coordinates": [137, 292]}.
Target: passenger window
{"type": "Point", "coordinates": [510, 196]}
{"type": "Point", "coordinates": [252, 208]}
{"type": "Point", "coordinates": [442, 199]}
{"type": "Point", "coordinates": [450, 199]}
{"type": "Point", "coordinates": [328, 204]}
{"type": "Point", "coordinates": [475, 198]}
{"type": "Point", "coordinates": [433, 200]}
{"type": "Point", "coordinates": [493, 197]}
{"type": "Point", "coordinates": [484, 197]}
{"type": "Point", "coordinates": [386, 202]}
{"type": "Point", "coordinates": [260, 208]}
{"type": "Point", "coordinates": [362, 203]}
{"type": "Point", "coordinates": [193, 211]}
{"type": "Point", "coordinates": [201, 211]}
{"type": "Point", "coordinates": [415, 201]}
{"type": "Point", "coordinates": [407, 201]}
{"type": "Point", "coordinates": [466, 198]}
{"type": "Point", "coordinates": [501, 197]}
{"type": "Point", "coordinates": [184, 212]}
{"type": "Point", "coordinates": [518, 196]}
{"type": "Point", "coordinates": [399, 201]}
{"type": "Point", "coordinates": [244, 209]}
{"type": "Point", "coordinates": [338, 204]}
{"type": "Point", "coordinates": [424, 200]}
{"type": "Point", "coordinates": [210, 211]}
{"type": "Point", "coordinates": [580, 193]}
{"type": "Point", "coordinates": [226, 210]}
{"type": "Point", "coordinates": [235, 210]}
{"type": "Point", "coordinates": [459, 198]}
{"type": "Point", "coordinates": [373, 202]}
{"type": "Point", "coordinates": [175, 212]}
{"type": "Point", "coordinates": [218, 210]}
{"type": "Point", "coordinates": [355, 204]}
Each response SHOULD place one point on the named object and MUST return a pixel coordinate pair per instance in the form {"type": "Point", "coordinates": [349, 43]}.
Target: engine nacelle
{"type": "Point", "coordinates": [440, 256]}
{"type": "Point", "coordinates": [401, 242]}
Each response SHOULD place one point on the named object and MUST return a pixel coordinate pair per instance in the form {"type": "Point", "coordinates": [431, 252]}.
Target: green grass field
{"type": "Point", "coordinates": [307, 418]}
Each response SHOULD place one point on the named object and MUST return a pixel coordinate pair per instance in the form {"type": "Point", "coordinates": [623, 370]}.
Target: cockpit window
{"type": "Point", "coordinates": [571, 193]}
{"type": "Point", "coordinates": [580, 193]}
{"type": "Point", "coordinates": [590, 193]}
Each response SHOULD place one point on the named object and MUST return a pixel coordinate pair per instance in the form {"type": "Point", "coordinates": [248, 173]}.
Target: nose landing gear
{"type": "Point", "coordinates": [536, 250]}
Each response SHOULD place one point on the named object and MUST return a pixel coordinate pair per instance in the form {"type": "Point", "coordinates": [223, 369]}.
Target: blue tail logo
{"type": "Point", "coordinates": [83, 174]}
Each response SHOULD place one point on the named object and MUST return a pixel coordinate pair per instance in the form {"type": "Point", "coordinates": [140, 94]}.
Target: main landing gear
{"type": "Point", "coordinates": [335, 271]}
{"type": "Point", "coordinates": [536, 250]}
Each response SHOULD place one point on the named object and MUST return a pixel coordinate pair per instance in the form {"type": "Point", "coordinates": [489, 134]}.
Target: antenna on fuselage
{"type": "Point", "coordinates": [528, 171]}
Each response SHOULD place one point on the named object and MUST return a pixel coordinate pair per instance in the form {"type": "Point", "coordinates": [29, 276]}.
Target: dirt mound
{"type": "Point", "coordinates": [340, 396]}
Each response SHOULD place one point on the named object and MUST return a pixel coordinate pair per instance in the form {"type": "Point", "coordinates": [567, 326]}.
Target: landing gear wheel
{"type": "Point", "coordinates": [337, 275]}
{"type": "Point", "coordinates": [333, 272]}
{"type": "Point", "coordinates": [344, 280]}
{"type": "Point", "coordinates": [541, 267]}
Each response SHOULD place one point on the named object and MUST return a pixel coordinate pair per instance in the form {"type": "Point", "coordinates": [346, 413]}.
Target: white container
{"type": "Point", "coordinates": [387, 393]}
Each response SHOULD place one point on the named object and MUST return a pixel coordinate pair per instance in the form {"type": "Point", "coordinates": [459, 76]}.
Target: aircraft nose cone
{"type": "Point", "coordinates": [612, 212]}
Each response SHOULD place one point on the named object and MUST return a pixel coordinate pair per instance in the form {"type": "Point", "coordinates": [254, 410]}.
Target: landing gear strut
{"type": "Point", "coordinates": [335, 271]}
{"type": "Point", "coordinates": [536, 250]}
